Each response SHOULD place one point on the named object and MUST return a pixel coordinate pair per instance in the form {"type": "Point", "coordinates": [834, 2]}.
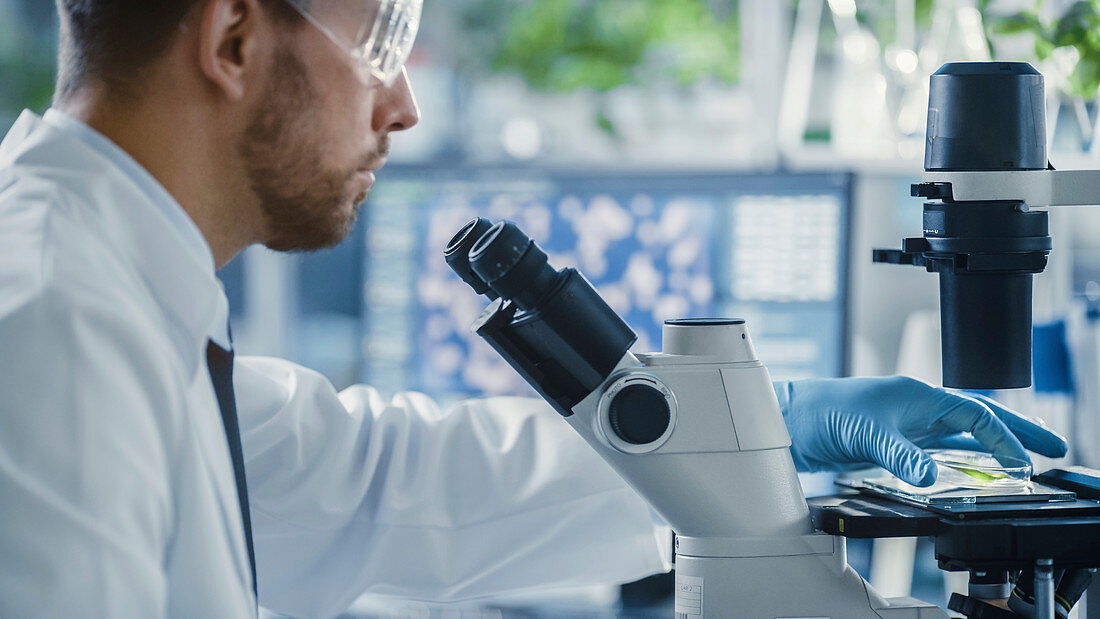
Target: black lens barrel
{"type": "Point", "coordinates": [985, 323]}
{"type": "Point", "coordinates": [986, 254]}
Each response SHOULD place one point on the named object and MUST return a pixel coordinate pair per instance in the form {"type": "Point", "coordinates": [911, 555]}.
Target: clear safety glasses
{"type": "Point", "coordinates": [379, 34]}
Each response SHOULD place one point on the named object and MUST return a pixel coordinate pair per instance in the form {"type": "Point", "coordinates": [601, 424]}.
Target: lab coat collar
{"type": "Point", "coordinates": [133, 170]}
{"type": "Point", "coordinates": [135, 212]}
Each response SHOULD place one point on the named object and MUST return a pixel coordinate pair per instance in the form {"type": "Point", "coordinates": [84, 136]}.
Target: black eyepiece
{"type": "Point", "coordinates": [498, 250]}
{"type": "Point", "coordinates": [551, 326]}
{"type": "Point", "coordinates": [458, 249]}
{"type": "Point", "coordinates": [513, 265]}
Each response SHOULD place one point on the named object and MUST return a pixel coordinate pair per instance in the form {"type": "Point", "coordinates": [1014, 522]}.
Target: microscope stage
{"type": "Point", "coordinates": [972, 536]}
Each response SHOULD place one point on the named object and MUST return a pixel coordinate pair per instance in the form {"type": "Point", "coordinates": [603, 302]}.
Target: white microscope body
{"type": "Point", "coordinates": [696, 430]}
{"type": "Point", "coordinates": [722, 476]}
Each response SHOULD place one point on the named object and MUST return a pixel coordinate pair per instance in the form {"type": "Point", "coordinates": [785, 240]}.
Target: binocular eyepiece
{"type": "Point", "coordinates": [499, 260]}
{"type": "Point", "coordinates": [457, 254]}
{"type": "Point", "coordinates": [551, 326]}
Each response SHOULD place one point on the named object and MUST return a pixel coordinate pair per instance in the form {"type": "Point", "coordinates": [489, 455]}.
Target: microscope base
{"type": "Point", "coordinates": [804, 577]}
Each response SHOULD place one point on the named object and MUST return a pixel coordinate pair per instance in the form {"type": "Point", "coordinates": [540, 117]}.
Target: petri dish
{"type": "Point", "coordinates": [980, 471]}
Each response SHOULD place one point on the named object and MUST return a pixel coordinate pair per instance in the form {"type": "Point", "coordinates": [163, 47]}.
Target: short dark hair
{"type": "Point", "coordinates": [114, 40]}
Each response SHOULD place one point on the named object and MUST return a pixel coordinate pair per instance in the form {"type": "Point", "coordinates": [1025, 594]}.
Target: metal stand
{"type": "Point", "coordinates": [1044, 589]}
{"type": "Point", "coordinates": [803, 576]}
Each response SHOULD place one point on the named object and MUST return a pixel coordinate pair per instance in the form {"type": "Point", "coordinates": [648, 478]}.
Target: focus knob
{"type": "Point", "coordinates": [639, 414]}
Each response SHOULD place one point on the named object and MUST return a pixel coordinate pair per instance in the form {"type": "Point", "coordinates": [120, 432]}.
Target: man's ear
{"type": "Point", "coordinates": [229, 42]}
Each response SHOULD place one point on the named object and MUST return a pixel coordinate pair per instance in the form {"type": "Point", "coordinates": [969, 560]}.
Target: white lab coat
{"type": "Point", "coordinates": [117, 496]}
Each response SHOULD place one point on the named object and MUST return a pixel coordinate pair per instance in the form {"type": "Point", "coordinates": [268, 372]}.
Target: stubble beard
{"type": "Point", "coordinates": [305, 206]}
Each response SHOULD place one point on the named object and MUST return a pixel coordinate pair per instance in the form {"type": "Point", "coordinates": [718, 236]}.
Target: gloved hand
{"type": "Point", "coordinates": [845, 423]}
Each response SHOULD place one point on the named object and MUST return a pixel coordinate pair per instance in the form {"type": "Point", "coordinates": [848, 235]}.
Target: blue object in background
{"type": "Point", "coordinates": [1050, 358]}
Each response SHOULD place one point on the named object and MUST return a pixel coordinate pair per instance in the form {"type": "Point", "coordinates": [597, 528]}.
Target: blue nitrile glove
{"type": "Point", "coordinates": [845, 423]}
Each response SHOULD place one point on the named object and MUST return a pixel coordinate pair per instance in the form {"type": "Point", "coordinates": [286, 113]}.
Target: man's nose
{"type": "Point", "coordinates": [395, 107]}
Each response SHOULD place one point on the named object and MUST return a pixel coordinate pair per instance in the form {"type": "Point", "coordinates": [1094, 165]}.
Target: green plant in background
{"type": "Point", "coordinates": [1078, 27]}
{"type": "Point", "coordinates": [567, 45]}
{"type": "Point", "coordinates": [598, 45]}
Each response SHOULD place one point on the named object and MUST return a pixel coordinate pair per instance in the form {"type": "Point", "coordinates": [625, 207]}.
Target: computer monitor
{"type": "Point", "coordinates": [769, 247]}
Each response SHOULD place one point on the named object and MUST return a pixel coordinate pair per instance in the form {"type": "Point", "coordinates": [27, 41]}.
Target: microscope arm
{"type": "Point", "coordinates": [1036, 188]}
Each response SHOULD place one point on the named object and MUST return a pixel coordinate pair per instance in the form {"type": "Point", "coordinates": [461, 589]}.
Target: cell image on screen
{"type": "Point", "coordinates": [655, 247]}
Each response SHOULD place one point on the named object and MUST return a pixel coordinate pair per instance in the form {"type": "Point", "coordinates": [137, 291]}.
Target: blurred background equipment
{"type": "Point", "coordinates": [677, 116]}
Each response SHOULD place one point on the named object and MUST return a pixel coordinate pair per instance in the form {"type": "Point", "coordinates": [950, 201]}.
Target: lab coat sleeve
{"type": "Point", "coordinates": [351, 494]}
{"type": "Point", "coordinates": [85, 506]}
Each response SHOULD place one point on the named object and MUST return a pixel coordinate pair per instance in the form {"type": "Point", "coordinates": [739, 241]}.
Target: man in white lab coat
{"type": "Point", "coordinates": [183, 131]}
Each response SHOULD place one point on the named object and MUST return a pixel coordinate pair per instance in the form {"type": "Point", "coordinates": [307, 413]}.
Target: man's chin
{"type": "Point", "coordinates": [313, 238]}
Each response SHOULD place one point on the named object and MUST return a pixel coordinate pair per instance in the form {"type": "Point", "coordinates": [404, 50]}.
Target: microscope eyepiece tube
{"type": "Point", "coordinates": [513, 265]}
{"type": "Point", "coordinates": [551, 326]}
{"type": "Point", "coordinates": [457, 254]}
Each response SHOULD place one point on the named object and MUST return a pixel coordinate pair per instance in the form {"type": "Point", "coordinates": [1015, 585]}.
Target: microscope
{"type": "Point", "coordinates": [697, 431]}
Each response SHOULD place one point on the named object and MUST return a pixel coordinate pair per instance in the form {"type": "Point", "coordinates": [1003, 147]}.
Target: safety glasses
{"type": "Point", "coordinates": [379, 34]}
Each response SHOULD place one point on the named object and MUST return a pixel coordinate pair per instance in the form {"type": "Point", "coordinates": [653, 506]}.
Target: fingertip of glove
{"type": "Point", "coordinates": [1057, 447]}
{"type": "Point", "coordinates": [925, 474]}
